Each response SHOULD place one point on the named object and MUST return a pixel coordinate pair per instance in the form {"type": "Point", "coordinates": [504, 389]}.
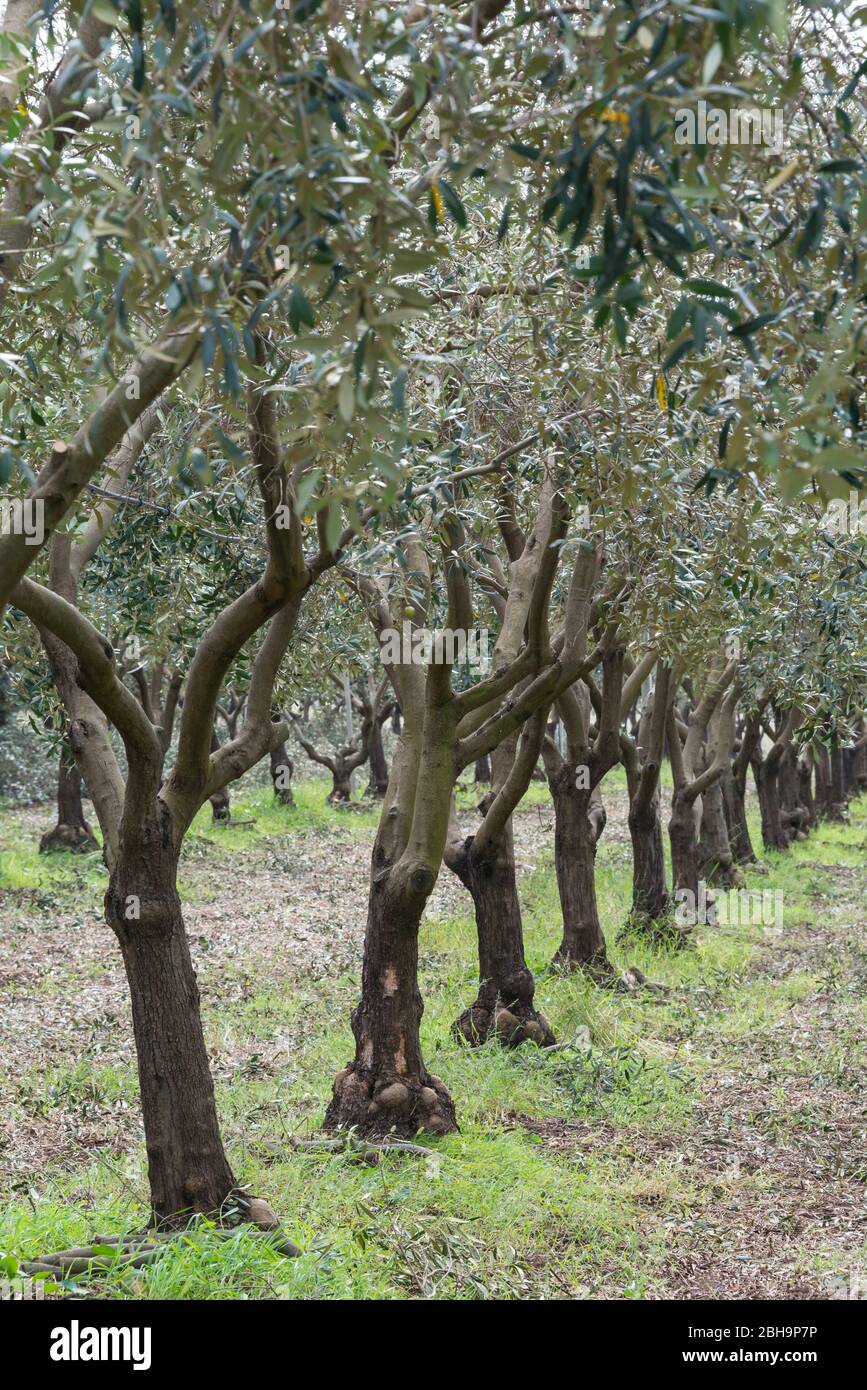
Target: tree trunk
{"type": "Point", "coordinates": [221, 809]}
{"type": "Point", "coordinates": [71, 831]}
{"type": "Point", "coordinates": [282, 769]}
{"type": "Point", "coordinates": [651, 902]}
{"type": "Point", "coordinates": [715, 857]}
{"type": "Point", "coordinates": [504, 1004]}
{"type": "Point", "coordinates": [735, 809]}
{"type": "Point", "coordinates": [187, 1167]}
{"type": "Point", "coordinates": [838, 791]}
{"type": "Point", "coordinates": [694, 905]}
{"type": "Point", "coordinates": [341, 785]}
{"type": "Point", "coordinates": [774, 834]}
{"type": "Point", "coordinates": [378, 785]}
{"type": "Point", "coordinates": [575, 835]}
{"type": "Point", "coordinates": [824, 799]}
{"type": "Point", "coordinates": [387, 1089]}
{"type": "Point", "coordinates": [861, 758]}
{"type": "Point", "coordinates": [482, 775]}
{"type": "Point", "coordinates": [805, 788]}
{"type": "Point", "coordinates": [849, 759]}
{"type": "Point", "coordinates": [793, 814]}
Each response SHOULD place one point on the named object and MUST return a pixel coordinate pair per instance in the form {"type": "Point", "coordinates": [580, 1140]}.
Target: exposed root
{"type": "Point", "coordinates": [641, 926]}
{"type": "Point", "coordinates": [397, 1106]}
{"type": "Point", "coordinates": [76, 839]}
{"type": "Point", "coordinates": [725, 876]}
{"type": "Point", "coordinates": [107, 1252]}
{"type": "Point", "coordinates": [512, 1026]}
{"type": "Point", "coordinates": [663, 932]}
{"type": "Point", "coordinates": [598, 968]}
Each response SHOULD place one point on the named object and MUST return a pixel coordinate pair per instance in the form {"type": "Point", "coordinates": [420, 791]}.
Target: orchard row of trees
{"type": "Point", "coordinates": [323, 320]}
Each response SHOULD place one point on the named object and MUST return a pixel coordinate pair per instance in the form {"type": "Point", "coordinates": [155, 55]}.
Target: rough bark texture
{"type": "Point", "coordinates": [71, 831]}
{"type": "Point", "coordinates": [387, 1089]}
{"type": "Point", "coordinates": [341, 785]}
{"type": "Point", "coordinates": [187, 1167]}
{"type": "Point", "coordinates": [838, 790]}
{"type": "Point", "coordinates": [860, 769]}
{"type": "Point", "coordinates": [824, 798]}
{"type": "Point", "coordinates": [504, 1004]}
{"type": "Point", "coordinates": [793, 813]}
{"type": "Point", "coordinates": [685, 869]}
{"type": "Point", "coordinates": [482, 774]}
{"type": "Point", "coordinates": [715, 857]}
{"type": "Point", "coordinates": [805, 788]}
{"type": "Point", "coordinates": [282, 769]}
{"type": "Point", "coordinates": [849, 758]}
{"type": "Point", "coordinates": [651, 909]}
{"type": "Point", "coordinates": [378, 784]}
{"type": "Point", "coordinates": [221, 806]}
{"type": "Point", "coordinates": [575, 836]}
{"type": "Point", "coordinates": [651, 901]}
{"type": "Point", "coordinates": [774, 833]}
{"type": "Point", "coordinates": [735, 810]}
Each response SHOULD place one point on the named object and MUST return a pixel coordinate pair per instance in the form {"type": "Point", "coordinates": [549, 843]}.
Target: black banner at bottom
{"type": "Point", "coordinates": [64, 1337]}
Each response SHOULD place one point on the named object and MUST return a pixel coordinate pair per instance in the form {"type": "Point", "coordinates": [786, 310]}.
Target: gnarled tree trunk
{"type": "Point", "coordinates": [341, 783]}
{"type": "Point", "coordinates": [774, 833]}
{"type": "Point", "coordinates": [221, 807]}
{"type": "Point", "coordinates": [71, 831]}
{"type": "Point", "coordinates": [715, 855]}
{"type": "Point", "coordinates": [504, 1004]}
{"type": "Point", "coordinates": [716, 861]}
{"type": "Point", "coordinates": [838, 789]}
{"type": "Point", "coordinates": [187, 1166]}
{"type": "Point", "coordinates": [793, 813]}
{"type": "Point", "coordinates": [650, 912]}
{"type": "Point", "coordinates": [575, 838]}
{"type": "Point", "coordinates": [378, 785]}
{"type": "Point", "coordinates": [694, 905]}
{"type": "Point", "coordinates": [734, 806]}
{"type": "Point", "coordinates": [387, 1088]}
{"type": "Point", "coordinates": [805, 788]}
{"type": "Point", "coordinates": [282, 769]}
{"type": "Point", "coordinates": [651, 901]}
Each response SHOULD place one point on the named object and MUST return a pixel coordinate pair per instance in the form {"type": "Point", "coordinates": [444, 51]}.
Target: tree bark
{"type": "Point", "coordinates": [860, 769]}
{"type": "Point", "coordinates": [378, 784]}
{"type": "Point", "coordinates": [504, 1004]}
{"type": "Point", "coordinates": [650, 913]}
{"type": "Point", "coordinates": [221, 808]}
{"type": "Point", "coordinates": [735, 810]}
{"type": "Point", "coordinates": [693, 905]}
{"type": "Point", "coordinates": [575, 837]}
{"type": "Point", "coordinates": [838, 791]}
{"type": "Point", "coordinates": [793, 813]}
{"type": "Point", "coordinates": [849, 758]}
{"type": "Point", "coordinates": [805, 788]}
{"type": "Point", "coordinates": [651, 901]}
{"type": "Point", "coordinates": [282, 769]}
{"type": "Point", "coordinates": [387, 1088]}
{"type": "Point", "coordinates": [482, 774]}
{"type": "Point", "coordinates": [341, 784]}
{"type": "Point", "coordinates": [774, 833]}
{"type": "Point", "coordinates": [715, 857]}
{"type": "Point", "coordinates": [71, 831]}
{"type": "Point", "coordinates": [187, 1166]}
{"type": "Point", "coordinates": [824, 798]}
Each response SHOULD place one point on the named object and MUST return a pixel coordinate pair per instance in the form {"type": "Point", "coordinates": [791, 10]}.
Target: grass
{"type": "Point", "coordinates": [495, 1212]}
